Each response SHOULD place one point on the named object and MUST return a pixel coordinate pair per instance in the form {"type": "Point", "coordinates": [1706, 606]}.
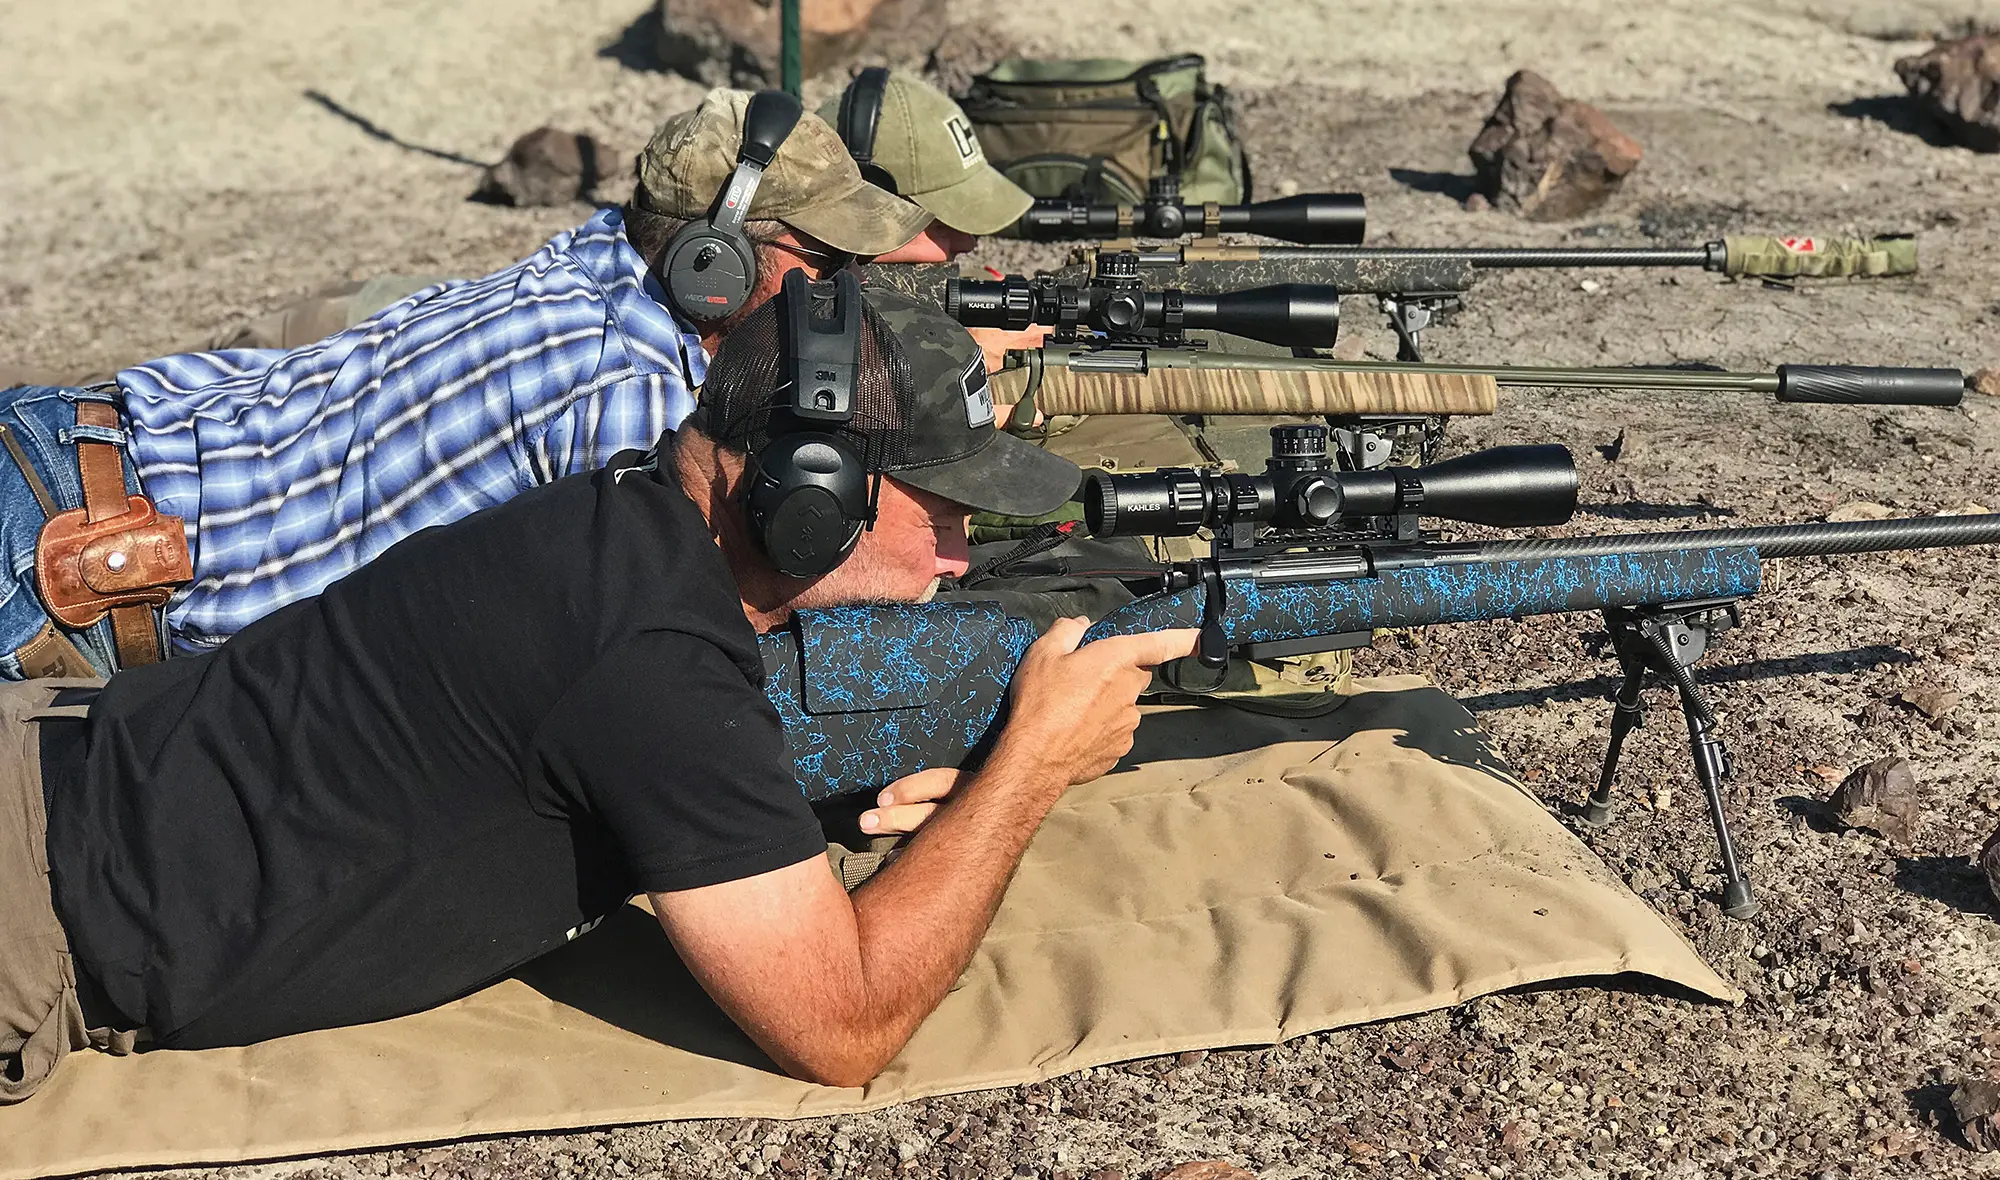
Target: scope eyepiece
{"type": "Point", "coordinates": [1507, 487]}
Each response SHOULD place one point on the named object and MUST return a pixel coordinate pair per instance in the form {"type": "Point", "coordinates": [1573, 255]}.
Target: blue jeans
{"type": "Point", "coordinates": [43, 419]}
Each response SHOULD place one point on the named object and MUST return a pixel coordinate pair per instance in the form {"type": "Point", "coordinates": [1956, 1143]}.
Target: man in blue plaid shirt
{"type": "Point", "coordinates": [289, 470]}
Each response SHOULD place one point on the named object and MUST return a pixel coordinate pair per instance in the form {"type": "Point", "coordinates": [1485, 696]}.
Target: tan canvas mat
{"type": "Point", "coordinates": [1242, 880]}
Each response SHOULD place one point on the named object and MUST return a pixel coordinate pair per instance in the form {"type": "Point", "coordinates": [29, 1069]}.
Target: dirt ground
{"type": "Point", "coordinates": [166, 171]}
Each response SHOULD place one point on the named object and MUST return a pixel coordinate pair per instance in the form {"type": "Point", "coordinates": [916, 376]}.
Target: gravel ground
{"type": "Point", "coordinates": [144, 207]}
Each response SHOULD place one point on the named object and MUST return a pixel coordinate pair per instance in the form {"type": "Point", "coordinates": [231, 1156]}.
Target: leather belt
{"type": "Point", "coordinates": [115, 555]}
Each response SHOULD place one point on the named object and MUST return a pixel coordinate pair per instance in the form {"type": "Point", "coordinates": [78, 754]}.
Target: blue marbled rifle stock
{"type": "Point", "coordinates": [870, 694]}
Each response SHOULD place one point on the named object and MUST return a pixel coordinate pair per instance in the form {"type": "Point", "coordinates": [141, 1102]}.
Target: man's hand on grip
{"type": "Point", "coordinates": [1073, 709]}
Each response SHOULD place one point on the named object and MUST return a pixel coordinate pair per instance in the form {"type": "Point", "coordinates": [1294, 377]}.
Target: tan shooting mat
{"type": "Point", "coordinates": [1241, 880]}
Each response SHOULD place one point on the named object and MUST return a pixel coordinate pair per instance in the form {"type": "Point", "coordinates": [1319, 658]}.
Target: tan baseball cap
{"type": "Point", "coordinates": [926, 143]}
{"type": "Point", "coordinates": [811, 185]}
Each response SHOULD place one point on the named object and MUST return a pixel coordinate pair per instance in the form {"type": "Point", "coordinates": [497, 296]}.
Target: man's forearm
{"type": "Point", "coordinates": [921, 917]}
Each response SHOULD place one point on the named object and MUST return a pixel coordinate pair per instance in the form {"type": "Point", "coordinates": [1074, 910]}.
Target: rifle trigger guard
{"type": "Point", "coordinates": [1212, 648]}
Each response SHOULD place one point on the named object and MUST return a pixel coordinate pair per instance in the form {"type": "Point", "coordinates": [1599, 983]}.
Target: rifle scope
{"type": "Point", "coordinates": [1508, 487]}
{"type": "Point", "coordinates": [1309, 219]}
{"type": "Point", "coordinates": [1290, 315]}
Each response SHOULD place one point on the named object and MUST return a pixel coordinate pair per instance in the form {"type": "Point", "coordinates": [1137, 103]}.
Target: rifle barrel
{"type": "Point", "coordinates": [1770, 541]}
{"type": "Point", "coordinates": [1506, 257]}
{"type": "Point", "coordinates": [1826, 384]}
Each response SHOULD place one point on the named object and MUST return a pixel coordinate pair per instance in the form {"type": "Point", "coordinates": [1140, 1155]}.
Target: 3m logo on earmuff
{"type": "Point", "coordinates": [978, 394]}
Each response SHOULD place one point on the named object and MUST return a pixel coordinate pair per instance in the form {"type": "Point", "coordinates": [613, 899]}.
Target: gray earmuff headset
{"type": "Point", "coordinates": [860, 117]}
{"type": "Point", "coordinates": [711, 264]}
{"type": "Point", "coordinates": [809, 493]}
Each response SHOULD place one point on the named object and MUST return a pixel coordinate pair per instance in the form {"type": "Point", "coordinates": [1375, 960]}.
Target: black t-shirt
{"type": "Point", "coordinates": [451, 761]}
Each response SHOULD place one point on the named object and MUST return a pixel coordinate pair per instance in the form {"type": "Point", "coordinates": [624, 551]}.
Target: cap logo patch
{"type": "Point", "coordinates": [978, 394]}
{"type": "Point", "coordinates": [964, 140]}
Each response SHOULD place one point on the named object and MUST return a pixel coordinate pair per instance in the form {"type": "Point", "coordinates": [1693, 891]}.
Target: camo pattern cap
{"type": "Point", "coordinates": [811, 185]}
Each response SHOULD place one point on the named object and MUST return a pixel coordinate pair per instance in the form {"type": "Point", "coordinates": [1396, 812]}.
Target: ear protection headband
{"type": "Point", "coordinates": [710, 265]}
{"type": "Point", "coordinates": [809, 494]}
{"type": "Point", "coordinates": [860, 117]}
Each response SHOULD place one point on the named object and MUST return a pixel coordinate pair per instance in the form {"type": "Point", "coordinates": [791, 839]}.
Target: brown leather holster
{"type": "Point", "coordinates": [115, 555]}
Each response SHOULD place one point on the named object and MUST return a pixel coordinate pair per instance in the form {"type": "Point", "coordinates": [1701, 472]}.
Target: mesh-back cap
{"type": "Point", "coordinates": [923, 412]}
{"type": "Point", "coordinates": [747, 388]}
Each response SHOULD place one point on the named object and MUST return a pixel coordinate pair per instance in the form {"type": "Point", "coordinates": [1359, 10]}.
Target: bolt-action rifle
{"type": "Point", "coordinates": [1121, 346]}
{"type": "Point", "coordinates": [1416, 287]}
{"type": "Point", "coordinates": [1307, 558]}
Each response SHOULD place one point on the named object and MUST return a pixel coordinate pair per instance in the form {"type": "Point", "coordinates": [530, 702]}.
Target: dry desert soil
{"type": "Point", "coordinates": [166, 170]}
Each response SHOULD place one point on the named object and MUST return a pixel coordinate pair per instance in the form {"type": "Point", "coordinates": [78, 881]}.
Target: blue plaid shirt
{"type": "Point", "coordinates": [294, 468]}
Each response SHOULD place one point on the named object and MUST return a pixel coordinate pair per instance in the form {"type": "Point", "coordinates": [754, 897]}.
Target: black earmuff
{"type": "Point", "coordinates": [809, 493]}
{"type": "Point", "coordinates": [860, 118]}
{"type": "Point", "coordinates": [710, 266]}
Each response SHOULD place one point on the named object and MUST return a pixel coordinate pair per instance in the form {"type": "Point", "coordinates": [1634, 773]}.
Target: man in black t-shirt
{"type": "Point", "coordinates": [472, 749]}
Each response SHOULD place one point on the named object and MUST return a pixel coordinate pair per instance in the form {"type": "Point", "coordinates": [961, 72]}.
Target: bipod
{"type": "Point", "coordinates": [1667, 641]}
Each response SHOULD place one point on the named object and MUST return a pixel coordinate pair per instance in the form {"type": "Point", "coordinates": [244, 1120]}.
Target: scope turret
{"type": "Point", "coordinates": [1309, 219]}
{"type": "Point", "coordinates": [1507, 487]}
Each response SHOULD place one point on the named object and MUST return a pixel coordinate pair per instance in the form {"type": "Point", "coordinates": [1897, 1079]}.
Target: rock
{"type": "Point", "coordinates": [732, 43]}
{"type": "Point", "coordinates": [1547, 157]}
{"type": "Point", "coordinates": [1986, 381]}
{"type": "Point", "coordinates": [1860, 510]}
{"type": "Point", "coordinates": [544, 167]}
{"type": "Point", "coordinates": [1989, 864]}
{"type": "Point", "coordinates": [1933, 702]}
{"type": "Point", "coordinates": [1477, 203]}
{"type": "Point", "coordinates": [1969, 508]}
{"type": "Point", "coordinates": [1976, 1105]}
{"type": "Point", "coordinates": [1205, 1170]}
{"type": "Point", "coordinates": [1882, 796]}
{"type": "Point", "coordinates": [1957, 83]}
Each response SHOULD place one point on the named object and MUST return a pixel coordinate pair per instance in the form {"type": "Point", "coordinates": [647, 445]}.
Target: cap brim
{"type": "Point", "coordinates": [863, 220]}
{"type": "Point", "coordinates": [985, 202]}
{"type": "Point", "coordinates": [1008, 477]}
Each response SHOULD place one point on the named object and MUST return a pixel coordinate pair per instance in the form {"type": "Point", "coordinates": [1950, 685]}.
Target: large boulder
{"type": "Point", "coordinates": [1547, 157]}
{"type": "Point", "coordinates": [736, 42]}
{"type": "Point", "coordinates": [1957, 83]}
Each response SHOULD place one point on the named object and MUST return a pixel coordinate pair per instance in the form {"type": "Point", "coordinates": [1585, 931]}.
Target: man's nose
{"type": "Point", "coordinates": [958, 242]}
{"type": "Point", "coordinates": [954, 553]}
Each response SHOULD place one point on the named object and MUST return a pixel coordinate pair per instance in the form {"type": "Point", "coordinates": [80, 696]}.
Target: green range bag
{"type": "Point", "coordinates": [1099, 130]}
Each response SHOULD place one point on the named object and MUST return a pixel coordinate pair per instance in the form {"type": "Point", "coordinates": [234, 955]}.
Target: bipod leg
{"type": "Point", "coordinates": [1627, 714]}
{"type": "Point", "coordinates": [1711, 757]}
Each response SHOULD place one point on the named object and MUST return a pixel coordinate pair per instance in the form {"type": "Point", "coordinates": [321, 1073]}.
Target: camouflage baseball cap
{"type": "Point", "coordinates": [811, 185]}
{"type": "Point", "coordinates": [926, 143]}
{"type": "Point", "coordinates": [922, 407]}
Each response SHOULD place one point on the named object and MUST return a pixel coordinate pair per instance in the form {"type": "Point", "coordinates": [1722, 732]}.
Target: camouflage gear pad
{"type": "Point", "coordinates": [1761, 257]}
{"type": "Point", "coordinates": [812, 185]}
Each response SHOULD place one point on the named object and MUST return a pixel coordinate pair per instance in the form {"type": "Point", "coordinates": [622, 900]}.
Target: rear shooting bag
{"type": "Point", "coordinates": [1099, 130]}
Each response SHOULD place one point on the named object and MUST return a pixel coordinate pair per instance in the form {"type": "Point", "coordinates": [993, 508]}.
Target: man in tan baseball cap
{"type": "Point", "coordinates": [910, 138]}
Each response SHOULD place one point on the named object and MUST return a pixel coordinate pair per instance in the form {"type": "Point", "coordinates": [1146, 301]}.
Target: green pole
{"type": "Point", "coordinates": [788, 52]}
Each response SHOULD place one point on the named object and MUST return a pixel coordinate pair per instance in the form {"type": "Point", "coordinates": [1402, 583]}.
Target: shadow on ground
{"type": "Point", "coordinates": [1896, 112]}
{"type": "Point", "coordinates": [1450, 184]}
